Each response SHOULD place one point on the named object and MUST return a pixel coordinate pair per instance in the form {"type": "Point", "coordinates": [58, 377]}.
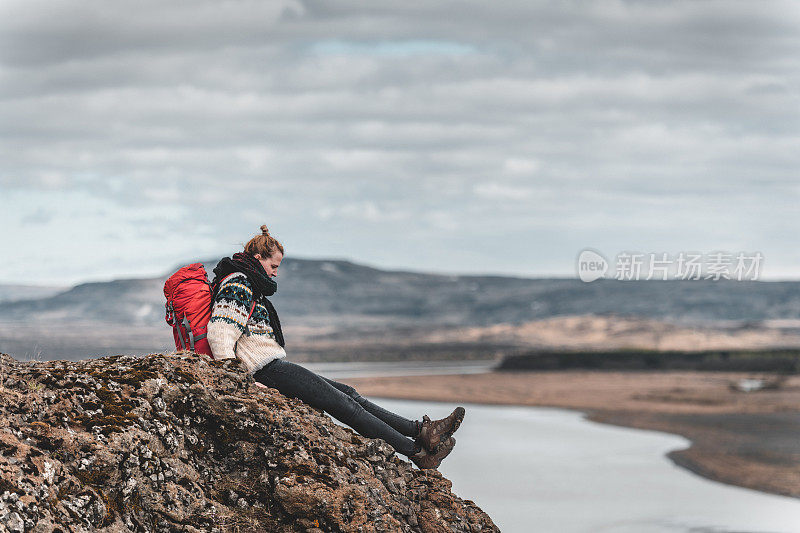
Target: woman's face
{"type": "Point", "coordinates": [271, 264]}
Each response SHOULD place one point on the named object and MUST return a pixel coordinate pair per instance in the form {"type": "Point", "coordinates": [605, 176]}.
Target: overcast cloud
{"type": "Point", "coordinates": [498, 136]}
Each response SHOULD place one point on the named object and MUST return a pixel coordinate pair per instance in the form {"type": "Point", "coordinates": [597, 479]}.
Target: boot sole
{"type": "Point", "coordinates": [439, 462]}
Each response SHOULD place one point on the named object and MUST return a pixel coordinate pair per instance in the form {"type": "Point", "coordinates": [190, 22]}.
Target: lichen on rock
{"type": "Point", "coordinates": [180, 442]}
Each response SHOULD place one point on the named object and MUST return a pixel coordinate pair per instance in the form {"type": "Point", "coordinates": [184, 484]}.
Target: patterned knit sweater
{"type": "Point", "coordinates": [226, 329]}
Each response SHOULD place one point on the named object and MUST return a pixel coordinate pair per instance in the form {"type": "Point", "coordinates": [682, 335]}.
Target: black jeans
{"type": "Point", "coordinates": [342, 402]}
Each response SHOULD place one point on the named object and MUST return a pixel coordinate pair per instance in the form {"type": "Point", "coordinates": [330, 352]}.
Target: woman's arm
{"type": "Point", "coordinates": [229, 317]}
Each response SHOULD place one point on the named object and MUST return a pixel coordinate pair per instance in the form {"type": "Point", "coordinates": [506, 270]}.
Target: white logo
{"type": "Point", "coordinates": [591, 265]}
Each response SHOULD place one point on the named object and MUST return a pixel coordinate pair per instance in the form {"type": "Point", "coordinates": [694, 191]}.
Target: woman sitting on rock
{"type": "Point", "coordinates": [244, 324]}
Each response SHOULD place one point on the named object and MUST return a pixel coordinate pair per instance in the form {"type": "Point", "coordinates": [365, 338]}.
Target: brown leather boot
{"type": "Point", "coordinates": [434, 432]}
{"type": "Point", "coordinates": [427, 460]}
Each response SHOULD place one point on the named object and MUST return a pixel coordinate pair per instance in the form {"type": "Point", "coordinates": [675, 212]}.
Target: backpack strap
{"type": "Point", "coordinates": [172, 320]}
{"type": "Point", "coordinates": [252, 308]}
{"type": "Point", "coordinates": [177, 327]}
{"type": "Point", "coordinates": [188, 327]}
{"type": "Point", "coordinates": [246, 329]}
{"type": "Point", "coordinates": [229, 276]}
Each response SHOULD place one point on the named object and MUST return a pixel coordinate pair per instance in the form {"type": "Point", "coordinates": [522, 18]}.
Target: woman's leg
{"type": "Point", "coordinates": [297, 382]}
{"type": "Point", "coordinates": [409, 428]}
{"type": "Point", "coordinates": [429, 433]}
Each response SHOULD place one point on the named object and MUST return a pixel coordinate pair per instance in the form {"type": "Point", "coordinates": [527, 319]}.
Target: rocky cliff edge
{"type": "Point", "coordinates": [179, 442]}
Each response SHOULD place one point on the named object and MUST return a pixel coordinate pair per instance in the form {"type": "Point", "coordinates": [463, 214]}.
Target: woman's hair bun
{"type": "Point", "coordinates": [263, 244]}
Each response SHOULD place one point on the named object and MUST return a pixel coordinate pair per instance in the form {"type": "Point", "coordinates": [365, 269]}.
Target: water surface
{"type": "Point", "coordinates": [549, 470]}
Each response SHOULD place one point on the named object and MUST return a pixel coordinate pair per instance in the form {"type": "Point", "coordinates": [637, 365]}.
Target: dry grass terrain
{"type": "Point", "coordinates": [606, 332]}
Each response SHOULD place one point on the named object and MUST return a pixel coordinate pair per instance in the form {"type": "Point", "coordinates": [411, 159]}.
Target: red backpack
{"type": "Point", "coordinates": [190, 298]}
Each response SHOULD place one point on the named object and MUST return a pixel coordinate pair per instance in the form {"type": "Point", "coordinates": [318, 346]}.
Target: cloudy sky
{"type": "Point", "coordinates": [465, 136]}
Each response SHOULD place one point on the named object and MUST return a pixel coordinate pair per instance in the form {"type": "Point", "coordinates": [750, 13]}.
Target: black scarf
{"type": "Point", "coordinates": [262, 284]}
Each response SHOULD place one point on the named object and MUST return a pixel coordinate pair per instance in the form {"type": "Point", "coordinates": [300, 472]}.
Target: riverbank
{"type": "Point", "coordinates": [749, 439]}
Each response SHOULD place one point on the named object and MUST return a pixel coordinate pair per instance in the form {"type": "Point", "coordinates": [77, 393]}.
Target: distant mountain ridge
{"type": "Point", "coordinates": [11, 293]}
{"type": "Point", "coordinates": [353, 295]}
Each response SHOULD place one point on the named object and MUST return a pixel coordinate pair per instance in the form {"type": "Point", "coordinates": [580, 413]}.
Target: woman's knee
{"type": "Point", "coordinates": [350, 391]}
{"type": "Point", "coordinates": [343, 407]}
{"type": "Point", "coordinates": [330, 398]}
{"type": "Point", "coordinates": [347, 389]}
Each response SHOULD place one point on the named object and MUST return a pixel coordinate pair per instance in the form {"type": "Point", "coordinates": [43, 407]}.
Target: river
{"type": "Point", "coordinates": [550, 470]}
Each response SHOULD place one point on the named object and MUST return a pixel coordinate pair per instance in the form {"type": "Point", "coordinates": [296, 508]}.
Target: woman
{"type": "Point", "coordinates": [244, 324]}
